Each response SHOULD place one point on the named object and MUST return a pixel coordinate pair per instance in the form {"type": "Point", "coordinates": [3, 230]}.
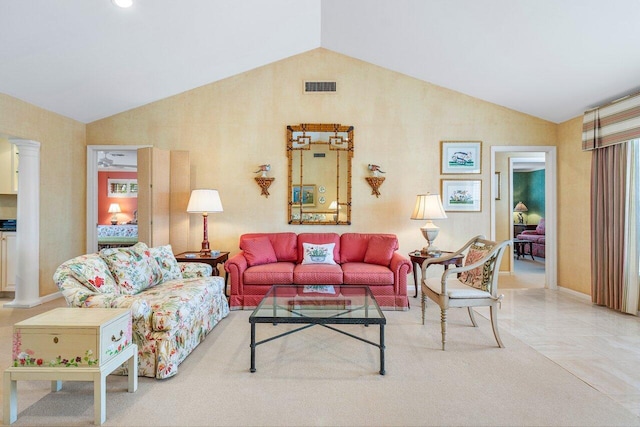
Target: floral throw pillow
{"type": "Point", "coordinates": [133, 268]}
{"type": "Point", "coordinates": [479, 276]}
{"type": "Point", "coordinates": [167, 262]}
{"type": "Point", "coordinates": [318, 254]}
{"type": "Point", "coordinates": [93, 273]}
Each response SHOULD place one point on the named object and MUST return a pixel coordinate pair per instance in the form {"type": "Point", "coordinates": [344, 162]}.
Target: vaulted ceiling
{"type": "Point", "coordinates": [87, 59]}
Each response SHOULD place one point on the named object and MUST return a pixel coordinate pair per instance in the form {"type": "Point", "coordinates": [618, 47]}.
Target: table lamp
{"type": "Point", "coordinates": [336, 208]}
{"type": "Point", "coordinates": [204, 201]}
{"type": "Point", "coordinates": [519, 209]}
{"type": "Point", "coordinates": [429, 207]}
{"type": "Point", "coordinates": [114, 208]}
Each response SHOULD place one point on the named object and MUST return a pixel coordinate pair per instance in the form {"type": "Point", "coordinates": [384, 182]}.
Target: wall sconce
{"type": "Point", "coordinates": [519, 209]}
{"type": "Point", "coordinates": [375, 180]}
{"type": "Point", "coordinates": [114, 208]}
{"type": "Point", "coordinates": [204, 201]}
{"type": "Point", "coordinates": [429, 207]}
{"type": "Point", "coordinates": [264, 182]}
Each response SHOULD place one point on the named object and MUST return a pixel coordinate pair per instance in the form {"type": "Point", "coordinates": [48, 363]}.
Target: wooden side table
{"type": "Point", "coordinates": [417, 258]}
{"type": "Point", "coordinates": [71, 344]}
{"type": "Point", "coordinates": [212, 260]}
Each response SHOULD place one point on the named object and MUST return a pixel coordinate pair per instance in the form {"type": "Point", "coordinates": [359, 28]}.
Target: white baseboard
{"type": "Point", "coordinates": [576, 294]}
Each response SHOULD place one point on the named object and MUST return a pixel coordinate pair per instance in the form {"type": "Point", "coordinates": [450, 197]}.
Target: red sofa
{"type": "Point", "coordinates": [537, 237]}
{"type": "Point", "coordinates": [269, 259]}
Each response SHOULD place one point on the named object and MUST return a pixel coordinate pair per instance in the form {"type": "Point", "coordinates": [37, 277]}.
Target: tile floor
{"type": "Point", "coordinates": [596, 344]}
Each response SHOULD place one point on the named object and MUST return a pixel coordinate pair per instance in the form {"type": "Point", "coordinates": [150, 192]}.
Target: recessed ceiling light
{"type": "Point", "coordinates": [123, 3]}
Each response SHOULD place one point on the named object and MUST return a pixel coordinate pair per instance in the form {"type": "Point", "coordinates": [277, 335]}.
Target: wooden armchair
{"type": "Point", "coordinates": [473, 285]}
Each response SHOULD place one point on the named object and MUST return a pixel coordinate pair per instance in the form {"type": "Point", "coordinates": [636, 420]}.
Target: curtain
{"type": "Point", "coordinates": [631, 288]}
{"type": "Point", "coordinates": [608, 219]}
{"type": "Point", "coordinates": [614, 123]}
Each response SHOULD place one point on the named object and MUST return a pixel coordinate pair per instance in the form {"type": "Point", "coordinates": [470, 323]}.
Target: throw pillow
{"type": "Point", "coordinates": [380, 250]}
{"type": "Point", "coordinates": [258, 251]}
{"type": "Point", "coordinates": [318, 253]}
{"type": "Point", "coordinates": [93, 272]}
{"type": "Point", "coordinates": [132, 267]}
{"type": "Point", "coordinates": [479, 276]}
{"type": "Point", "coordinates": [167, 262]}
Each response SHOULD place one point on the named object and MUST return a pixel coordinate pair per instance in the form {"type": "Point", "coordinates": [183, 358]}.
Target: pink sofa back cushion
{"type": "Point", "coordinates": [284, 244]}
{"type": "Point", "coordinates": [540, 227]}
{"type": "Point", "coordinates": [319, 238]}
{"type": "Point", "coordinates": [353, 246]}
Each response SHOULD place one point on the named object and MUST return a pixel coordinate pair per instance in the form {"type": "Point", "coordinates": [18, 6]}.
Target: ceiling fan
{"type": "Point", "coordinates": [106, 162]}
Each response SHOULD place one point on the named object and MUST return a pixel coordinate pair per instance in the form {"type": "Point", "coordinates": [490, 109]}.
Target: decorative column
{"type": "Point", "coordinates": [27, 292]}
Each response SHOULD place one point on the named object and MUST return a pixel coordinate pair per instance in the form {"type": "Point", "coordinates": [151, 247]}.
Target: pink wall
{"type": "Point", "coordinates": [127, 204]}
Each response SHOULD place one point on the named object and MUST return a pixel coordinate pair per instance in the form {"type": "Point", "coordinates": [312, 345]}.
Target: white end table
{"type": "Point", "coordinates": [71, 344]}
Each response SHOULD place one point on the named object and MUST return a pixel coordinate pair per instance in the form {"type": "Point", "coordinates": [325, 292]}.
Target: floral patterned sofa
{"type": "Point", "coordinates": [173, 305]}
{"type": "Point", "coordinates": [268, 259]}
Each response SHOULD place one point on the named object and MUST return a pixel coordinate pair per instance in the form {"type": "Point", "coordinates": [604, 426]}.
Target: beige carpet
{"type": "Point", "coordinates": [319, 377]}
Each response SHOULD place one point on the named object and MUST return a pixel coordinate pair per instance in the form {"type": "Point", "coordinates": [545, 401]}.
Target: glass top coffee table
{"type": "Point", "coordinates": [323, 305]}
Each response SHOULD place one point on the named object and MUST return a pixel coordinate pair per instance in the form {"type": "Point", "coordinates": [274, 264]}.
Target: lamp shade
{"type": "Point", "coordinates": [204, 201]}
{"type": "Point", "coordinates": [333, 206]}
{"type": "Point", "coordinates": [520, 207]}
{"type": "Point", "coordinates": [428, 206]}
{"type": "Point", "coordinates": [114, 208]}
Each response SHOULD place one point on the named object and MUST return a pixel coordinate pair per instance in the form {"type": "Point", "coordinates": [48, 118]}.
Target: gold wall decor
{"type": "Point", "coordinates": [264, 184]}
{"type": "Point", "coordinates": [319, 171]}
{"type": "Point", "coordinates": [375, 182]}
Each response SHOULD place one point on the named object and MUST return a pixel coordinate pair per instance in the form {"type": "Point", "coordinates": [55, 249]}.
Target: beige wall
{"type": "Point", "coordinates": [62, 180]}
{"type": "Point", "coordinates": [574, 210]}
{"type": "Point", "coordinates": [232, 126]}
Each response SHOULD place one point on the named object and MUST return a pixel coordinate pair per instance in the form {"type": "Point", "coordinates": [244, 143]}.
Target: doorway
{"type": "Point", "coordinates": [95, 159]}
{"type": "Point", "coordinates": [502, 210]}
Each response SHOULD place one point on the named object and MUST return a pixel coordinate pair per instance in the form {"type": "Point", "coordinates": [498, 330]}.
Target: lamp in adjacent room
{"type": "Point", "coordinates": [204, 201]}
{"type": "Point", "coordinates": [334, 207]}
{"type": "Point", "coordinates": [114, 208]}
{"type": "Point", "coordinates": [429, 207]}
{"type": "Point", "coordinates": [519, 209]}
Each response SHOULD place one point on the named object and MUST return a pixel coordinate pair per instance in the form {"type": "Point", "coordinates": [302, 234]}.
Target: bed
{"type": "Point", "coordinates": [117, 236]}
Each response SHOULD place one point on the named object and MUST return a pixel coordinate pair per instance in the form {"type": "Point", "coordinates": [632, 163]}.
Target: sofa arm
{"type": "Point", "coordinates": [139, 307]}
{"type": "Point", "coordinates": [236, 266]}
{"type": "Point", "coordinates": [401, 267]}
{"type": "Point", "coordinates": [530, 232]}
{"type": "Point", "coordinates": [194, 270]}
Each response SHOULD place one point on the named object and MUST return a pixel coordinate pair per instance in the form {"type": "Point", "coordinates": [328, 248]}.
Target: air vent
{"type": "Point", "coordinates": [320, 87]}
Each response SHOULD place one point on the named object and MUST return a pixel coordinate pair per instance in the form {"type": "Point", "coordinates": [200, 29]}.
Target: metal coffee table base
{"type": "Point", "coordinates": [313, 322]}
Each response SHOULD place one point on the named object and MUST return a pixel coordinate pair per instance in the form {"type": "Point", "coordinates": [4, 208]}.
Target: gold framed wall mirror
{"type": "Point", "coordinates": [319, 173]}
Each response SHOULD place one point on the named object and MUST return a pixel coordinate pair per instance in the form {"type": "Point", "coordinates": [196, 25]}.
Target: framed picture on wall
{"type": "Point", "coordinates": [306, 194]}
{"type": "Point", "coordinates": [460, 157]}
{"type": "Point", "coordinates": [460, 195]}
{"type": "Point", "coordinates": [122, 187]}
{"type": "Point", "coordinates": [497, 185]}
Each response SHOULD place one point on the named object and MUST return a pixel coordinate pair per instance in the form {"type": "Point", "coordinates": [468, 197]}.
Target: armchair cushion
{"type": "Point", "coordinates": [258, 250]}
{"type": "Point", "coordinates": [455, 289]}
{"type": "Point", "coordinates": [479, 276]}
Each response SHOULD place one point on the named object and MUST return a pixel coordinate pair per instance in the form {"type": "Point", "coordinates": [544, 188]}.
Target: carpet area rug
{"type": "Point", "coordinates": [319, 377]}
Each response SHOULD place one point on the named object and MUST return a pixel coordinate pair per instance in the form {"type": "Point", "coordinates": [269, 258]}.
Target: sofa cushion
{"type": "Point", "coordinates": [318, 254]}
{"type": "Point", "coordinates": [284, 244]}
{"type": "Point", "coordinates": [380, 250]}
{"type": "Point", "coordinates": [167, 262]}
{"type": "Point", "coordinates": [353, 246]}
{"type": "Point", "coordinates": [319, 239]}
{"type": "Point", "coordinates": [93, 273]}
{"type": "Point", "coordinates": [277, 273]}
{"type": "Point", "coordinates": [317, 274]}
{"type": "Point", "coordinates": [258, 250]}
{"type": "Point", "coordinates": [479, 276]}
{"type": "Point", "coordinates": [359, 273]}
{"type": "Point", "coordinates": [133, 268]}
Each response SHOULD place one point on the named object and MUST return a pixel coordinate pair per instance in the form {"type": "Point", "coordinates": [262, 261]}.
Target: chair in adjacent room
{"type": "Point", "coordinates": [473, 285]}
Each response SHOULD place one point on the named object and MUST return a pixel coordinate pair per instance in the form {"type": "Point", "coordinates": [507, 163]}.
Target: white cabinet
{"type": "Point", "coordinates": [8, 167]}
{"type": "Point", "coordinates": [8, 261]}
